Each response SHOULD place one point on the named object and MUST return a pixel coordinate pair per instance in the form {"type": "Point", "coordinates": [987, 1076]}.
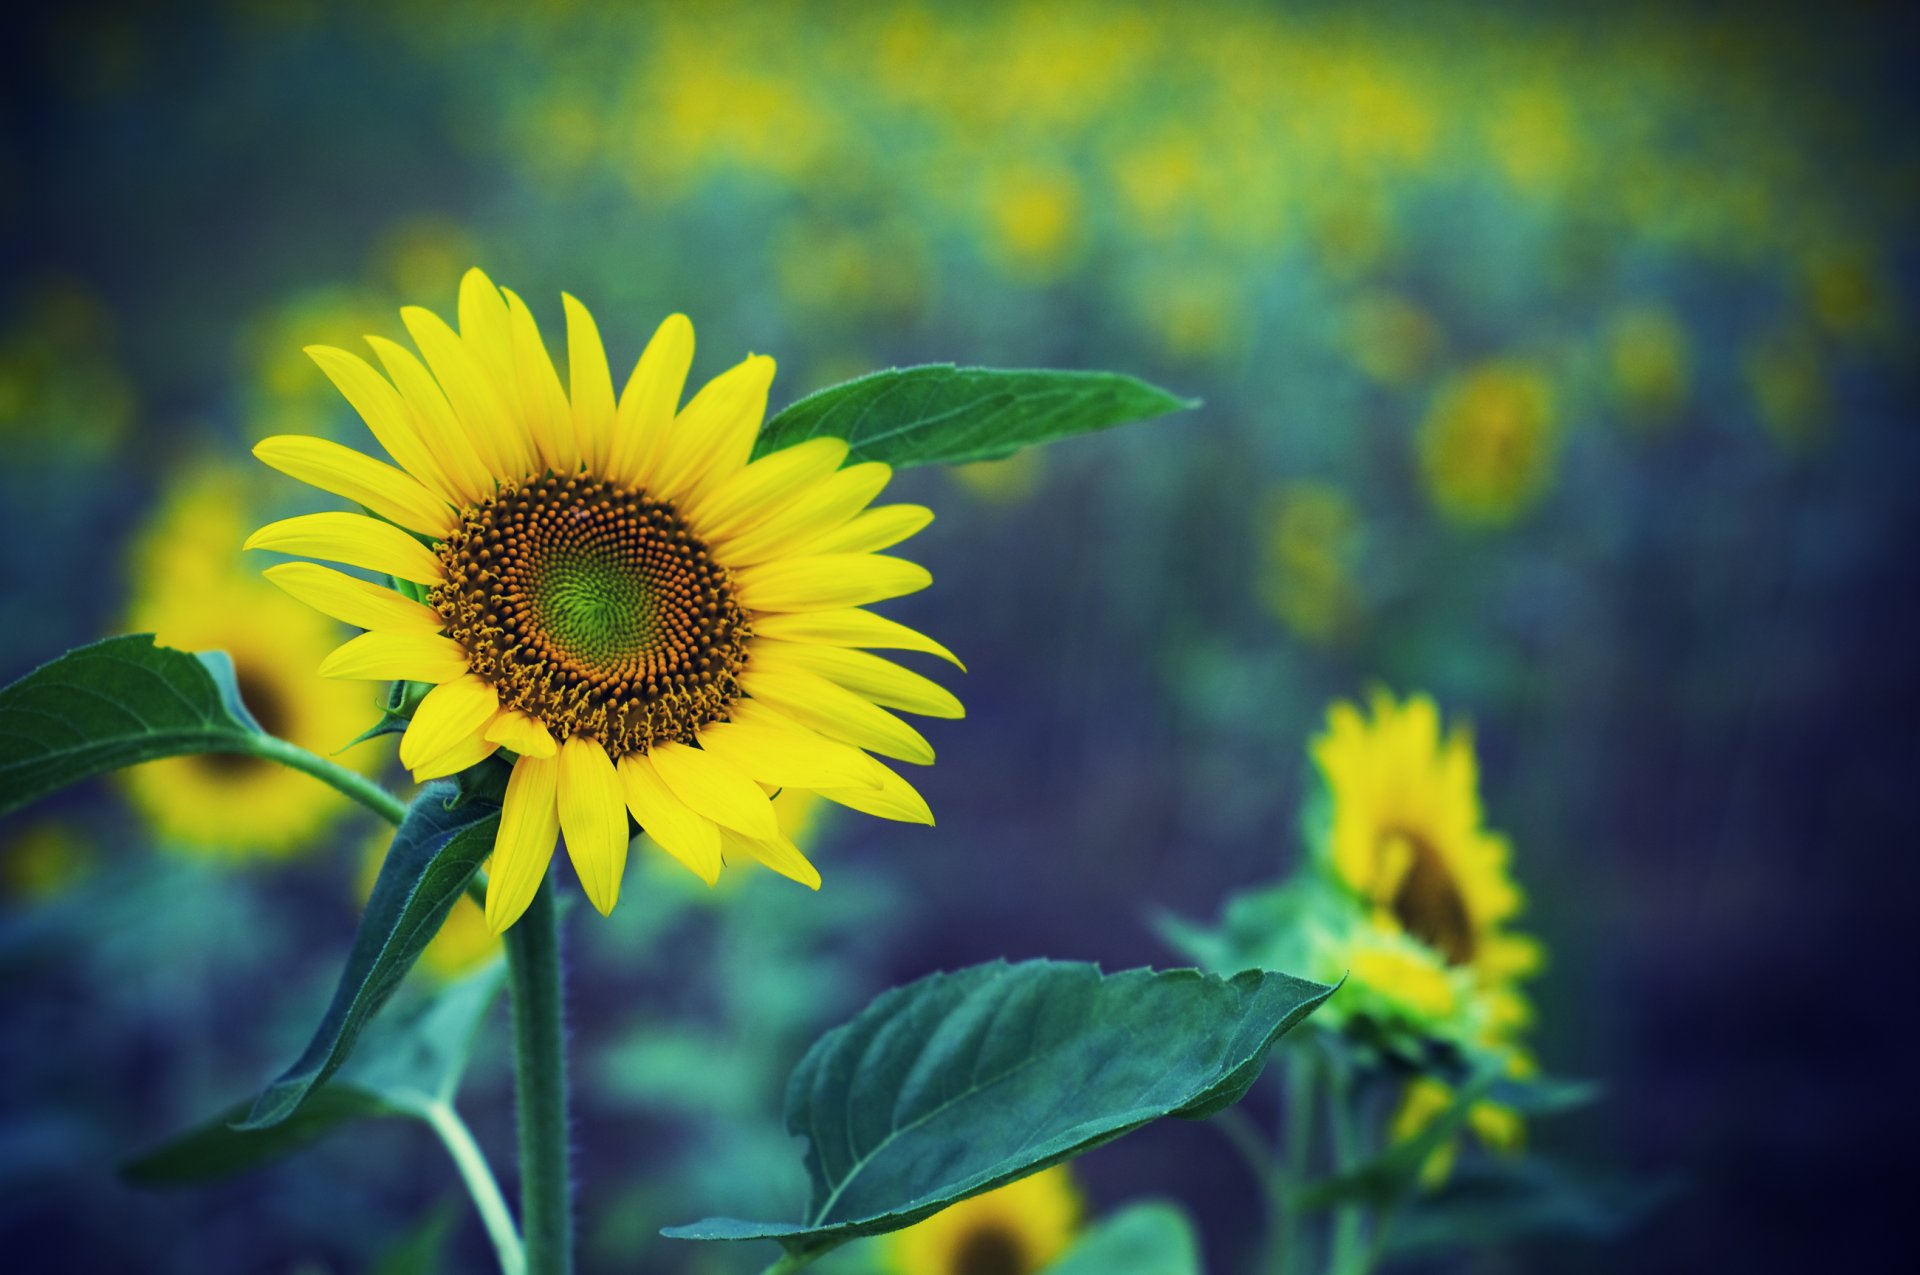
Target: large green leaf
{"type": "Point", "coordinates": [941, 414]}
{"type": "Point", "coordinates": [115, 703]}
{"type": "Point", "coordinates": [413, 1064]}
{"type": "Point", "coordinates": [962, 1082]}
{"type": "Point", "coordinates": [1153, 1237]}
{"type": "Point", "coordinates": [435, 853]}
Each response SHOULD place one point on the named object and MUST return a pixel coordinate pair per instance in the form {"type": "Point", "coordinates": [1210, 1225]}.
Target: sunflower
{"type": "Point", "coordinates": [190, 596]}
{"type": "Point", "coordinates": [613, 592]}
{"type": "Point", "coordinates": [1496, 1127]}
{"type": "Point", "coordinates": [1488, 444]}
{"type": "Point", "coordinates": [1019, 1229]}
{"type": "Point", "coordinates": [1406, 839]}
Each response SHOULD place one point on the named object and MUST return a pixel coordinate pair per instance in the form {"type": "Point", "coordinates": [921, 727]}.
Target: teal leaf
{"type": "Point", "coordinates": [435, 853]}
{"type": "Point", "coordinates": [939, 414]}
{"type": "Point", "coordinates": [404, 1067]}
{"type": "Point", "coordinates": [113, 704]}
{"type": "Point", "coordinates": [1152, 1237]}
{"type": "Point", "coordinates": [962, 1082]}
{"type": "Point", "coordinates": [1498, 1200]}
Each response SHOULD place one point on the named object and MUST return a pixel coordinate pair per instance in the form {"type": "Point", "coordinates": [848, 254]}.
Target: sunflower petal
{"type": "Point", "coordinates": [523, 734]}
{"type": "Point", "coordinates": [785, 759]}
{"type": "Point", "coordinates": [593, 819]}
{"type": "Point", "coordinates": [779, 854]}
{"type": "Point", "coordinates": [651, 398]}
{"type": "Point", "coordinates": [410, 657]}
{"type": "Point", "coordinates": [470, 751]}
{"type": "Point", "coordinates": [741, 500]}
{"type": "Point", "coordinates": [439, 426]}
{"type": "Point", "coordinates": [351, 600]}
{"type": "Point", "coordinates": [850, 627]}
{"type": "Point", "coordinates": [880, 680]}
{"type": "Point", "coordinates": [589, 384]}
{"type": "Point", "coordinates": [893, 797]}
{"type": "Point", "coordinates": [529, 823]}
{"type": "Point", "coordinates": [871, 530]}
{"type": "Point", "coordinates": [483, 326]}
{"type": "Point", "coordinates": [356, 540]}
{"type": "Point", "coordinates": [809, 514]}
{"type": "Point", "coordinates": [389, 492]}
{"type": "Point", "coordinates": [667, 820]}
{"type": "Point", "coordinates": [543, 404]}
{"type": "Point", "coordinates": [828, 582]}
{"type": "Point", "coordinates": [713, 435]}
{"type": "Point", "coordinates": [715, 789]}
{"type": "Point", "coordinates": [837, 713]}
{"type": "Point", "coordinates": [499, 439]}
{"type": "Point", "coordinates": [451, 712]}
{"type": "Point", "coordinates": [387, 416]}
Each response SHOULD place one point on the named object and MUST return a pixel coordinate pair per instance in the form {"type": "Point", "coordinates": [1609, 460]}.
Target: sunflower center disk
{"type": "Point", "coordinates": [1429, 906]}
{"type": "Point", "coordinates": [593, 608]}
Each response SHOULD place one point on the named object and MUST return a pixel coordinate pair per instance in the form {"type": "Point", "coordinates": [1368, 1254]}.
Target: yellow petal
{"type": "Point", "coordinates": [893, 798]}
{"type": "Point", "coordinates": [439, 427]}
{"type": "Point", "coordinates": [484, 327]}
{"type": "Point", "coordinates": [387, 415]}
{"type": "Point", "coordinates": [351, 600]}
{"type": "Point", "coordinates": [590, 385]}
{"type": "Point", "coordinates": [785, 759]}
{"type": "Point", "coordinates": [837, 713]}
{"type": "Point", "coordinates": [523, 734]}
{"type": "Point", "coordinates": [715, 789]}
{"type": "Point", "coordinates": [451, 712]}
{"type": "Point", "coordinates": [651, 397]}
{"type": "Point", "coordinates": [593, 819]}
{"type": "Point", "coordinates": [385, 490]}
{"type": "Point", "coordinates": [808, 515]}
{"type": "Point", "coordinates": [496, 435]}
{"type": "Point", "coordinates": [543, 404]}
{"type": "Point", "coordinates": [871, 530]}
{"type": "Point", "coordinates": [828, 582]}
{"type": "Point", "coordinates": [849, 628]}
{"type": "Point", "coordinates": [879, 680]}
{"type": "Point", "coordinates": [355, 539]}
{"type": "Point", "coordinates": [713, 435]}
{"type": "Point", "coordinates": [470, 751]}
{"type": "Point", "coordinates": [745, 498]}
{"type": "Point", "coordinates": [778, 853]}
{"type": "Point", "coordinates": [410, 657]}
{"type": "Point", "coordinates": [688, 837]}
{"type": "Point", "coordinates": [529, 823]}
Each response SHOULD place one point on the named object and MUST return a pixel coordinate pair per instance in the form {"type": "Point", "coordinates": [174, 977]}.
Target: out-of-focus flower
{"type": "Point", "coordinates": [285, 392]}
{"type": "Point", "coordinates": [1019, 1229]}
{"type": "Point", "coordinates": [1006, 481]}
{"type": "Point", "coordinates": [1310, 548]}
{"type": "Point", "coordinates": [1847, 290]}
{"type": "Point", "coordinates": [1497, 1127]}
{"type": "Point", "coordinates": [61, 385]}
{"type": "Point", "coordinates": [191, 590]}
{"type": "Point", "coordinates": [43, 860]}
{"type": "Point", "coordinates": [1787, 374]}
{"type": "Point", "coordinates": [1648, 355]}
{"type": "Point", "coordinates": [1391, 339]}
{"type": "Point", "coordinates": [415, 256]}
{"type": "Point", "coordinates": [610, 591]}
{"type": "Point", "coordinates": [1487, 446]}
{"type": "Point", "coordinates": [1034, 219]}
{"type": "Point", "coordinates": [1532, 136]}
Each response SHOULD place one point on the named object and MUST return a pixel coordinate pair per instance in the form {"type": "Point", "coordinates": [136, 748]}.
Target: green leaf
{"type": "Point", "coordinates": [941, 414]}
{"type": "Point", "coordinates": [435, 853]}
{"type": "Point", "coordinates": [1152, 1237]}
{"type": "Point", "coordinates": [399, 1071]}
{"type": "Point", "coordinates": [115, 703]}
{"type": "Point", "coordinates": [963, 1082]}
{"type": "Point", "coordinates": [1395, 1172]}
{"type": "Point", "coordinates": [1499, 1200]}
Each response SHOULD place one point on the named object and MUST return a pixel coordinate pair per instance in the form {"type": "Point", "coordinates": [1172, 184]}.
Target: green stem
{"type": "Point", "coordinates": [358, 787]}
{"type": "Point", "coordinates": [1283, 1249]}
{"type": "Point", "coordinates": [1349, 1257]}
{"type": "Point", "coordinates": [540, 1078]}
{"type": "Point", "coordinates": [787, 1263]}
{"type": "Point", "coordinates": [472, 1163]}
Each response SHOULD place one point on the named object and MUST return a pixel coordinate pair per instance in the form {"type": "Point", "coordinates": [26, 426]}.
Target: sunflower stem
{"type": "Point", "coordinates": [1349, 1257]}
{"type": "Point", "coordinates": [472, 1163]}
{"type": "Point", "coordinates": [1284, 1255]}
{"type": "Point", "coordinates": [787, 1263]}
{"type": "Point", "coordinates": [540, 1079]}
{"type": "Point", "coordinates": [358, 787]}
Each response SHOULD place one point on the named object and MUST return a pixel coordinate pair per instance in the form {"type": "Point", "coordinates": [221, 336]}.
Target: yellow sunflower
{"type": "Point", "coordinates": [190, 594]}
{"type": "Point", "coordinates": [1488, 445]}
{"type": "Point", "coordinates": [1019, 1229]}
{"type": "Point", "coordinates": [609, 589]}
{"type": "Point", "coordinates": [1406, 837]}
{"type": "Point", "coordinates": [1497, 1127]}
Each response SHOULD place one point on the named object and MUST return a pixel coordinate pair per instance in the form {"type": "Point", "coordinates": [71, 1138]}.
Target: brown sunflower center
{"type": "Point", "coordinates": [990, 1250]}
{"type": "Point", "coordinates": [1428, 903]}
{"type": "Point", "coordinates": [593, 608]}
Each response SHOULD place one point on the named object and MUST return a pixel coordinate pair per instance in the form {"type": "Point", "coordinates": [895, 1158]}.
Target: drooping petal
{"type": "Point", "coordinates": [354, 539]}
{"type": "Point", "coordinates": [829, 582]}
{"type": "Point", "coordinates": [651, 398]}
{"type": "Point", "coordinates": [589, 385]}
{"type": "Point", "coordinates": [543, 404]}
{"type": "Point", "coordinates": [593, 819]}
{"type": "Point", "coordinates": [837, 713]}
{"type": "Point", "coordinates": [871, 530]}
{"type": "Point", "coordinates": [688, 837]}
{"type": "Point", "coordinates": [715, 789]}
{"type": "Point", "coordinates": [713, 435]}
{"type": "Point", "coordinates": [451, 712]}
{"type": "Point", "coordinates": [742, 500]}
{"type": "Point", "coordinates": [387, 416]}
{"type": "Point", "coordinates": [893, 798]}
{"type": "Point", "coordinates": [785, 758]}
{"type": "Point", "coordinates": [439, 426]}
{"type": "Point", "coordinates": [529, 823]}
{"type": "Point", "coordinates": [411, 657]}
{"type": "Point", "coordinates": [778, 853]}
{"type": "Point", "coordinates": [351, 600]}
{"type": "Point", "coordinates": [394, 495]}
{"type": "Point", "coordinates": [523, 734]}
{"type": "Point", "coordinates": [809, 514]}
{"type": "Point", "coordinates": [880, 680]}
{"type": "Point", "coordinates": [850, 627]}
{"type": "Point", "coordinates": [470, 751]}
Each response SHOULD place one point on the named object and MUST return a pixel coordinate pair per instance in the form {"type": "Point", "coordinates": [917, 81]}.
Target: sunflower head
{"type": "Point", "coordinates": [612, 591]}
{"type": "Point", "coordinates": [1018, 1229]}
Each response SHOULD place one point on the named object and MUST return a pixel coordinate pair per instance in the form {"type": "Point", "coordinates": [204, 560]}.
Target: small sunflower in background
{"type": "Point", "coordinates": [1488, 445]}
{"type": "Point", "coordinates": [1019, 1229]}
{"type": "Point", "coordinates": [611, 590]}
{"type": "Point", "coordinates": [192, 595]}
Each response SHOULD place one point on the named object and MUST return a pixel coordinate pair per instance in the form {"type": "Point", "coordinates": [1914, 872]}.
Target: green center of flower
{"type": "Point", "coordinates": [593, 608]}
{"type": "Point", "coordinates": [1428, 903]}
{"type": "Point", "coordinates": [990, 1250]}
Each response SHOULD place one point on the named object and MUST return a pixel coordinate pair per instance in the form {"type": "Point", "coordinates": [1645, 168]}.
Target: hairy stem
{"type": "Point", "coordinates": [358, 787]}
{"type": "Point", "coordinates": [540, 1078]}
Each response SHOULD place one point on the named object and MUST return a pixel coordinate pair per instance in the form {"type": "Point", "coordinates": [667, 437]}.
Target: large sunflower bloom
{"type": "Point", "coordinates": [608, 589]}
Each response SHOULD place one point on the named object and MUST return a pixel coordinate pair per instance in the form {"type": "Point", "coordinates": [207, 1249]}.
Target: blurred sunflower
{"type": "Point", "coordinates": [1406, 839]}
{"type": "Point", "coordinates": [612, 591]}
{"type": "Point", "coordinates": [191, 595]}
{"type": "Point", "coordinates": [1018, 1229]}
{"type": "Point", "coordinates": [1495, 1126]}
{"type": "Point", "coordinates": [1487, 445]}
